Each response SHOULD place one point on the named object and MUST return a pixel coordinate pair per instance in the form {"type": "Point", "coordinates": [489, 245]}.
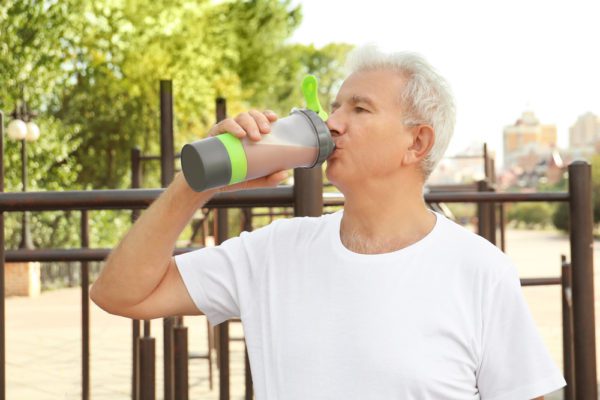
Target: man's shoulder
{"type": "Point", "coordinates": [463, 238]}
{"type": "Point", "coordinates": [471, 249]}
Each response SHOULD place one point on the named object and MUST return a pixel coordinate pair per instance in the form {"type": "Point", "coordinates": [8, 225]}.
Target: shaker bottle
{"type": "Point", "coordinates": [300, 140]}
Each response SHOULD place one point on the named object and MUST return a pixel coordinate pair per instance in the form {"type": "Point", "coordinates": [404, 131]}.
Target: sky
{"type": "Point", "coordinates": [500, 57]}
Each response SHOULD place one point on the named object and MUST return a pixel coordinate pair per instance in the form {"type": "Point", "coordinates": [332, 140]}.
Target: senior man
{"type": "Point", "coordinates": [382, 300]}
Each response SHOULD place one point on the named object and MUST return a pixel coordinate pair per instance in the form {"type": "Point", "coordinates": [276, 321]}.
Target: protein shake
{"type": "Point", "coordinates": [300, 140]}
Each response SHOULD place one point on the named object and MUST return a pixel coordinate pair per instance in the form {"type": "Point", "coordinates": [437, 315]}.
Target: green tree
{"type": "Point", "coordinates": [91, 70]}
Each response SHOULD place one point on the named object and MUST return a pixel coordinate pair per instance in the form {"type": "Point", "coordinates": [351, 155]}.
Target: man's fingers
{"type": "Point", "coordinates": [262, 121]}
{"type": "Point", "coordinates": [252, 123]}
{"type": "Point", "coordinates": [271, 116]}
{"type": "Point", "coordinates": [227, 125]}
{"type": "Point", "coordinates": [249, 124]}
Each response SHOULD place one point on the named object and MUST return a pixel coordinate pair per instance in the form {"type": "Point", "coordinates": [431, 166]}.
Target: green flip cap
{"type": "Point", "coordinates": [310, 90]}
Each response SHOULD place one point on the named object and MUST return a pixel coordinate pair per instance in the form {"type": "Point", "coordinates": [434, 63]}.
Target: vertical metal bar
{"type": "Point", "coordinates": [85, 310]}
{"type": "Point", "coordinates": [248, 375]}
{"type": "Point", "coordinates": [308, 192]}
{"type": "Point", "coordinates": [502, 227]}
{"type": "Point", "coordinates": [222, 233]}
{"type": "Point", "coordinates": [247, 226]}
{"type": "Point", "coordinates": [167, 152]}
{"type": "Point", "coordinates": [486, 164]}
{"type": "Point", "coordinates": [2, 265]}
{"type": "Point", "coordinates": [26, 242]}
{"type": "Point", "coordinates": [491, 209]}
{"type": "Point", "coordinates": [581, 238]}
{"type": "Point", "coordinates": [147, 368]}
{"type": "Point", "coordinates": [135, 359]}
{"type": "Point", "coordinates": [136, 179]}
{"type": "Point", "coordinates": [567, 325]}
{"type": "Point", "coordinates": [168, 370]}
{"type": "Point", "coordinates": [180, 335]}
{"type": "Point", "coordinates": [485, 220]}
{"type": "Point", "coordinates": [167, 170]}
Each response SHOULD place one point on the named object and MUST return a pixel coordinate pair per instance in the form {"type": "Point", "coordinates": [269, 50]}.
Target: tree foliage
{"type": "Point", "coordinates": [91, 70]}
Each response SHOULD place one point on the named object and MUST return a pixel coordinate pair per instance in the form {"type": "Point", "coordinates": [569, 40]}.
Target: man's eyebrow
{"type": "Point", "coordinates": [356, 99]}
{"type": "Point", "coordinates": [362, 99]}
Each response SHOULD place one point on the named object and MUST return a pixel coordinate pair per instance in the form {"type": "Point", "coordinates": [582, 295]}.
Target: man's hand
{"type": "Point", "coordinates": [253, 124]}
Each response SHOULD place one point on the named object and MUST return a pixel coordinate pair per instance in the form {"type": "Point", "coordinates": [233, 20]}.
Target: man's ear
{"type": "Point", "coordinates": [423, 138]}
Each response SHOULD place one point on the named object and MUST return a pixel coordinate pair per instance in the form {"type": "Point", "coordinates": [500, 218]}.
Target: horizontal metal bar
{"type": "Point", "coordinates": [264, 197]}
{"type": "Point", "coordinates": [68, 255]}
{"type": "Point", "coordinates": [541, 281]}
{"type": "Point", "coordinates": [337, 199]}
{"type": "Point", "coordinates": [135, 199]}
{"type": "Point", "coordinates": [484, 197]}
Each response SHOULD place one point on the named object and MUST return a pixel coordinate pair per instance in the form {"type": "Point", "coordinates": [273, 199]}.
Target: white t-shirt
{"type": "Point", "coordinates": [443, 318]}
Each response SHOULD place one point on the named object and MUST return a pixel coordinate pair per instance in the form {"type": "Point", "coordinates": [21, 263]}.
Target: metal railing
{"type": "Point", "coordinates": [307, 200]}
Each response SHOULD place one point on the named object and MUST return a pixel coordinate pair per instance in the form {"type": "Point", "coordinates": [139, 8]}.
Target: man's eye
{"type": "Point", "coordinates": [360, 110]}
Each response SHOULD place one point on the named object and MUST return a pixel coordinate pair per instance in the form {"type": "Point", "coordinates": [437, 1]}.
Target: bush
{"type": "Point", "coordinates": [560, 217]}
{"type": "Point", "coordinates": [530, 214]}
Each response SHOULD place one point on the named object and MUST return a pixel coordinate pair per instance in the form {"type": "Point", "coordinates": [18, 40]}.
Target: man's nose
{"type": "Point", "coordinates": [335, 124]}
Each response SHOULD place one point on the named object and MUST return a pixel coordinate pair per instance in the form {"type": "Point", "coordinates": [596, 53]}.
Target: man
{"type": "Point", "coordinates": [383, 300]}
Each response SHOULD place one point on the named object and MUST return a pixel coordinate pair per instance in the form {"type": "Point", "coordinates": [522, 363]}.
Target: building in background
{"type": "Point", "coordinates": [584, 136]}
{"type": "Point", "coordinates": [527, 142]}
{"type": "Point", "coordinates": [531, 155]}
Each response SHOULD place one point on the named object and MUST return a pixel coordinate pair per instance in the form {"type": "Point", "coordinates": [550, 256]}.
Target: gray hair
{"type": "Point", "coordinates": [426, 97]}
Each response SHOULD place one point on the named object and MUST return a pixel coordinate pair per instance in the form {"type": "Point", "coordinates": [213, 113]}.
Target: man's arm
{"type": "Point", "coordinates": [140, 278]}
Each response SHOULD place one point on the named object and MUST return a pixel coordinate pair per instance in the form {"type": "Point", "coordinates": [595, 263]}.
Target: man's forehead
{"type": "Point", "coordinates": [371, 86]}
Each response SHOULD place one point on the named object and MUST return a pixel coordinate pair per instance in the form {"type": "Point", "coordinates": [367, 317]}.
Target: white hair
{"type": "Point", "coordinates": [426, 97]}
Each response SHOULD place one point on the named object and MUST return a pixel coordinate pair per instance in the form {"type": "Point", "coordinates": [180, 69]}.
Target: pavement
{"type": "Point", "coordinates": [43, 335]}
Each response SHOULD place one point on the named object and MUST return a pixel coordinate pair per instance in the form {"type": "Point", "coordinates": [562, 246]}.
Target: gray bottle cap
{"type": "Point", "coordinates": [206, 164]}
{"type": "Point", "coordinates": [325, 142]}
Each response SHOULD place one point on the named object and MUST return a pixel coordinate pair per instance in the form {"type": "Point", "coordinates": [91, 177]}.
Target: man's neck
{"type": "Point", "coordinates": [383, 218]}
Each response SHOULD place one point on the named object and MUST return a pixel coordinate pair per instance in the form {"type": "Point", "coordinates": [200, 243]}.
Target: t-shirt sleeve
{"type": "Point", "coordinates": [221, 280]}
{"type": "Point", "coordinates": [515, 364]}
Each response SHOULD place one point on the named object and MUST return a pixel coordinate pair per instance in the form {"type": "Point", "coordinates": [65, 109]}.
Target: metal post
{"type": "Point", "coordinates": [247, 374]}
{"type": "Point", "coordinates": [502, 227]}
{"type": "Point", "coordinates": [26, 242]}
{"type": "Point", "coordinates": [2, 265]}
{"type": "Point", "coordinates": [85, 310]}
{"type": "Point", "coordinates": [147, 365]}
{"type": "Point", "coordinates": [180, 336]}
{"type": "Point", "coordinates": [491, 209]}
{"type": "Point", "coordinates": [308, 192]}
{"type": "Point", "coordinates": [167, 166]}
{"type": "Point", "coordinates": [136, 179]}
{"type": "Point", "coordinates": [167, 152]}
{"type": "Point", "coordinates": [222, 330]}
{"type": "Point", "coordinates": [567, 324]}
{"type": "Point", "coordinates": [221, 228]}
{"type": "Point", "coordinates": [486, 164]}
{"type": "Point", "coordinates": [247, 226]}
{"type": "Point", "coordinates": [483, 214]}
{"type": "Point", "coordinates": [581, 238]}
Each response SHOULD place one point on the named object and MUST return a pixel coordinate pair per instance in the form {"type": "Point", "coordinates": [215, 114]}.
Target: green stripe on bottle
{"type": "Point", "coordinates": [237, 156]}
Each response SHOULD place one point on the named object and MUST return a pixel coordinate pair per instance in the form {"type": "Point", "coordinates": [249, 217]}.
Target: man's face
{"type": "Point", "coordinates": [366, 124]}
